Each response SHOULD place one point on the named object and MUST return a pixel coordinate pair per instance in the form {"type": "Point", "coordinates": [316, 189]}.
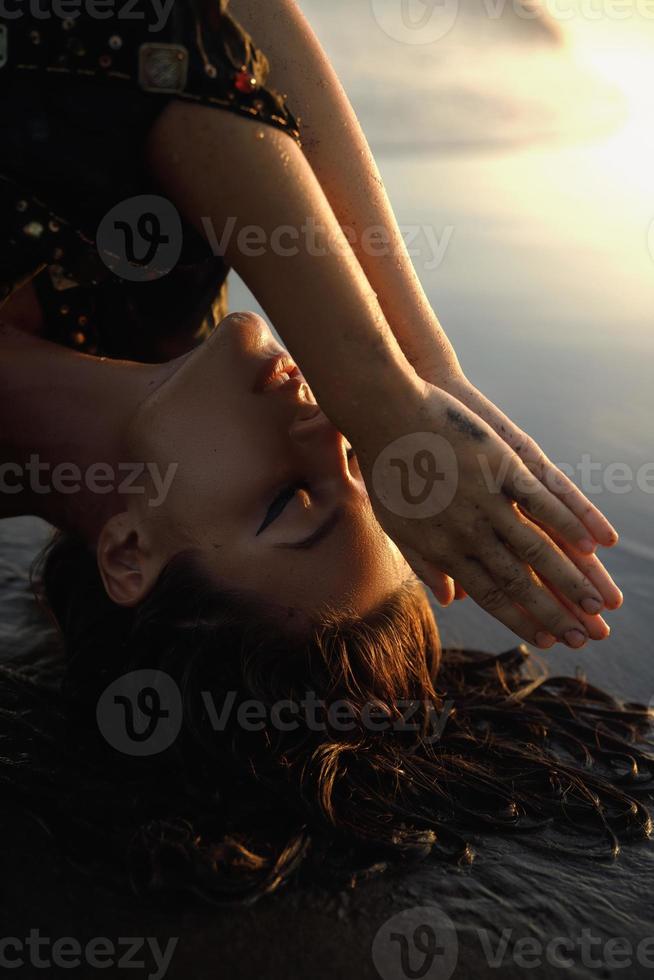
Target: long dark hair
{"type": "Point", "coordinates": [232, 814]}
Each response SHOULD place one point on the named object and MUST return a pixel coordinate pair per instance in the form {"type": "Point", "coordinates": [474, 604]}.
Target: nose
{"type": "Point", "coordinates": [322, 446]}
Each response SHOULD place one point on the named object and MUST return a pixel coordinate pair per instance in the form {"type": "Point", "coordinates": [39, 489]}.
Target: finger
{"type": "Point", "coordinates": [493, 599]}
{"type": "Point", "coordinates": [539, 503]}
{"type": "Point", "coordinates": [440, 584]}
{"type": "Point", "coordinates": [537, 549]}
{"type": "Point", "coordinates": [598, 628]}
{"type": "Point", "coordinates": [596, 573]}
{"type": "Point", "coordinates": [523, 587]}
{"type": "Point", "coordinates": [593, 569]}
{"type": "Point", "coordinates": [562, 486]}
{"type": "Point", "coordinates": [442, 588]}
{"type": "Point", "coordinates": [459, 593]}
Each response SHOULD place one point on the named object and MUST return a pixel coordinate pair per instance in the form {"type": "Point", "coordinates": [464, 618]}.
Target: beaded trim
{"type": "Point", "coordinates": [166, 68]}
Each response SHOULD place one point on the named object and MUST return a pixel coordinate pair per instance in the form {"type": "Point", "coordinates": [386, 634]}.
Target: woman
{"type": "Point", "coordinates": [104, 111]}
{"type": "Point", "coordinates": [218, 529]}
{"type": "Point", "coordinates": [218, 536]}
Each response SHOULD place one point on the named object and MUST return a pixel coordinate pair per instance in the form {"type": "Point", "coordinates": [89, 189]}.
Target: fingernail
{"type": "Point", "coordinates": [575, 638]}
{"type": "Point", "coordinates": [545, 640]}
{"type": "Point", "coordinates": [587, 546]}
{"type": "Point", "coordinates": [591, 606]}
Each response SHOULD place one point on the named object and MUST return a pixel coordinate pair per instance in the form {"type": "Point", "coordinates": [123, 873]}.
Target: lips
{"type": "Point", "coordinates": [280, 373]}
{"type": "Point", "coordinates": [271, 369]}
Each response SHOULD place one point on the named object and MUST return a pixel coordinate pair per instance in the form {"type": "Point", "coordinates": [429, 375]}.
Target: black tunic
{"type": "Point", "coordinates": [77, 98]}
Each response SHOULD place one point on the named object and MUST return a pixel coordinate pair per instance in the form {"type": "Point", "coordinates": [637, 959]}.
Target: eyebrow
{"type": "Point", "coordinates": [319, 534]}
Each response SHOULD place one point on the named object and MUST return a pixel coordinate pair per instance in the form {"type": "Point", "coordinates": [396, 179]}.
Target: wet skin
{"type": "Point", "coordinates": [265, 489]}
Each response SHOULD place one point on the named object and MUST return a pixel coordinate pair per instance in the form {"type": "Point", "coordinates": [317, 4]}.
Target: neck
{"type": "Point", "coordinates": [63, 418]}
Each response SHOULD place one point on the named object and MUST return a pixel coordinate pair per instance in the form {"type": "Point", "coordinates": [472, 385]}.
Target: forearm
{"type": "Point", "coordinates": [339, 155]}
{"type": "Point", "coordinates": [237, 173]}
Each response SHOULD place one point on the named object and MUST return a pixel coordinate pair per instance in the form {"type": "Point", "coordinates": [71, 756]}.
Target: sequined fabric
{"type": "Point", "coordinates": [77, 98]}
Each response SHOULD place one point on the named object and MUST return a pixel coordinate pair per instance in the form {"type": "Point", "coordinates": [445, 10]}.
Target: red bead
{"type": "Point", "coordinates": [246, 82]}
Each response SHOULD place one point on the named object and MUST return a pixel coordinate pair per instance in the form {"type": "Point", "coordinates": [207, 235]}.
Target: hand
{"type": "Point", "coordinates": [477, 520]}
{"type": "Point", "coordinates": [599, 529]}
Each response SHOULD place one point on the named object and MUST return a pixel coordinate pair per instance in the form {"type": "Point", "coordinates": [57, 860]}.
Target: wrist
{"type": "Point", "coordinates": [441, 372]}
{"type": "Point", "coordinates": [373, 405]}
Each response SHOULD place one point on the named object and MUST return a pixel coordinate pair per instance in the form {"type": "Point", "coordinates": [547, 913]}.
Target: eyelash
{"type": "Point", "coordinates": [286, 495]}
{"type": "Point", "coordinates": [279, 503]}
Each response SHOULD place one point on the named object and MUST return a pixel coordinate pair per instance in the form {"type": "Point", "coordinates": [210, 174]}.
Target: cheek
{"type": "Point", "coordinates": [221, 462]}
{"type": "Point", "coordinates": [375, 562]}
{"type": "Point", "coordinates": [202, 489]}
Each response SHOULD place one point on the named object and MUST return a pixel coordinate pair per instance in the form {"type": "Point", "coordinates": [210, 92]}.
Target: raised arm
{"type": "Point", "coordinates": [338, 152]}
{"type": "Point", "coordinates": [233, 172]}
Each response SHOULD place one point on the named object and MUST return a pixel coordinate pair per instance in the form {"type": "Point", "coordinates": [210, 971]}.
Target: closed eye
{"type": "Point", "coordinates": [279, 503]}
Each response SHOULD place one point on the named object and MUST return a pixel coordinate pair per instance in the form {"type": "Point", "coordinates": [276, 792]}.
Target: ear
{"type": "Point", "coordinates": [127, 566]}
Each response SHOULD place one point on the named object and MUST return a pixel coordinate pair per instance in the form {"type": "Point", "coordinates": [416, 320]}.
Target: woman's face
{"type": "Point", "coordinates": [264, 489]}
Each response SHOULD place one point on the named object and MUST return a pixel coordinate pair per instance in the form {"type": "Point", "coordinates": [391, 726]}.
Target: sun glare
{"type": "Point", "coordinates": [619, 50]}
